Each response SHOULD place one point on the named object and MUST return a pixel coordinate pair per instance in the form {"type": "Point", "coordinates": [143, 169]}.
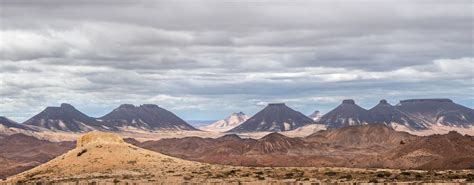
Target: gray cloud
{"type": "Point", "coordinates": [205, 59]}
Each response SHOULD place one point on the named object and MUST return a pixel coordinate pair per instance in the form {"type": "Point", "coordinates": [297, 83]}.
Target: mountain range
{"type": "Point", "coordinates": [67, 118]}
{"type": "Point", "coordinates": [415, 115]}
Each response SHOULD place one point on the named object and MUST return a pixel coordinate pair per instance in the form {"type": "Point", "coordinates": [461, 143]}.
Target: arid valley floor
{"type": "Point", "coordinates": [105, 157]}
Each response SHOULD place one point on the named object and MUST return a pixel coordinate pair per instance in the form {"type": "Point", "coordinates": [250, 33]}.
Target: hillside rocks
{"type": "Point", "coordinates": [98, 137]}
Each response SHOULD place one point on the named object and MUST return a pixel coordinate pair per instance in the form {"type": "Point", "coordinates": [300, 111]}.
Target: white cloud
{"type": "Point", "coordinates": [209, 58]}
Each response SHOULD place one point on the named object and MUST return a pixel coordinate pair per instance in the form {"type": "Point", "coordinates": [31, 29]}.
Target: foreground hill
{"type": "Point", "coordinates": [20, 152]}
{"type": "Point", "coordinates": [275, 117]}
{"type": "Point", "coordinates": [98, 153]}
{"type": "Point", "coordinates": [144, 117]}
{"type": "Point", "coordinates": [65, 118]}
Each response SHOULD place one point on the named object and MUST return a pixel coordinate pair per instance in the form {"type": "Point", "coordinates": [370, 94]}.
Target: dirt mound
{"type": "Point", "coordinates": [106, 154]}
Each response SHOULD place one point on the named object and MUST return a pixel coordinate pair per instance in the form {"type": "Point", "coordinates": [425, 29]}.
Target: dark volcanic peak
{"type": "Point", "coordinates": [8, 123]}
{"type": "Point", "coordinates": [384, 113]}
{"type": "Point", "coordinates": [145, 117]}
{"type": "Point", "coordinates": [348, 113]}
{"type": "Point", "coordinates": [64, 118]}
{"type": "Point", "coordinates": [438, 111]}
{"type": "Point", "coordinates": [274, 118]}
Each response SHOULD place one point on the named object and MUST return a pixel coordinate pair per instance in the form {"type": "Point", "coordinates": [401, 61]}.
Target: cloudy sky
{"type": "Point", "coordinates": [206, 59]}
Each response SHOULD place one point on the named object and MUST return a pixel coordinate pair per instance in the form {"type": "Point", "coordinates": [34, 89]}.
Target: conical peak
{"type": "Point", "coordinates": [383, 101]}
{"type": "Point", "coordinates": [348, 101]}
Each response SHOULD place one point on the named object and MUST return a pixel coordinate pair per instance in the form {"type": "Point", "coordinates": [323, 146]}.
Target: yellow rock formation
{"type": "Point", "coordinates": [98, 137]}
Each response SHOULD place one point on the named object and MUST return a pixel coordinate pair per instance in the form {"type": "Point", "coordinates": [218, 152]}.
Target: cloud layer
{"type": "Point", "coordinates": [206, 59]}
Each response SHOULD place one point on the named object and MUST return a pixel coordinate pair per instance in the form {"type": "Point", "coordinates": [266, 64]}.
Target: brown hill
{"type": "Point", "coordinates": [104, 154]}
{"type": "Point", "coordinates": [374, 135]}
{"type": "Point", "coordinates": [20, 152]}
{"type": "Point", "coordinates": [448, 151]}
{"type": "Point", "coordinates": [354, 146]}
{"type": "Point", "coordinates": [276, 143]}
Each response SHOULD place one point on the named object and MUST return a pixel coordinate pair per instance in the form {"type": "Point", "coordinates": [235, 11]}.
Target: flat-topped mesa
{"type": "Point", "coordinates": [276, 104]}
{"type": "Point", "coordinates": [438, 100]}
{"type": "Point", "coordinates": [63, 106]}
{"type": "Point", "coordinates": [98, 137]}
{"type": "Point", "coordinates": [348, 101]}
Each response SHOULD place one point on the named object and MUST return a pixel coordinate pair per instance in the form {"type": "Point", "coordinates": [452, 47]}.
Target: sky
{"type": "Point", "coordinates": [205, 59]}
